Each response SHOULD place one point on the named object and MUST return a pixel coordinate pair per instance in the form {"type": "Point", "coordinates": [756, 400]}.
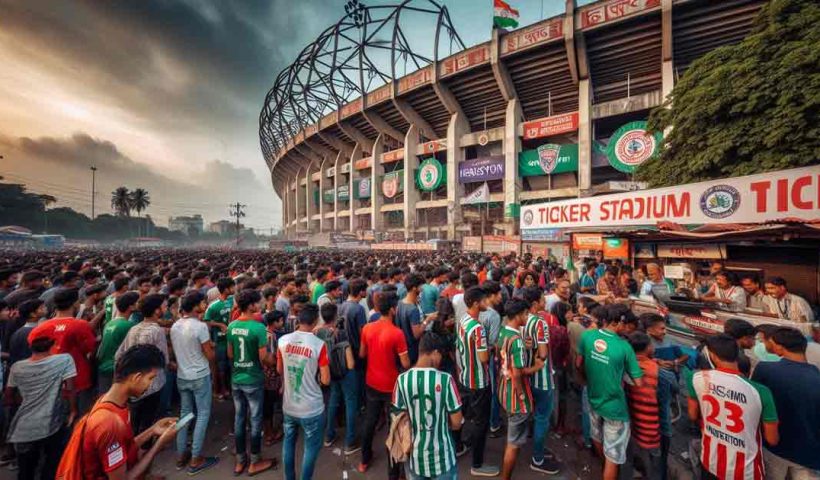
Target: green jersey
{"type": "Point", "coordinates": [246, 337]}
{"type": "Point", "coordinates": [428, 396]}
{"type": "Point", "coordinates": [606, 358]}
{"type": "Point", "coordinates": [318, 291]}
{"type": "Point", "coordinates": [113, 334]}
{"type": "Point", "coordinates": [109, 306]}
{"type": "Point", "coordinates": [537, 330]}
{"type": "Point", "coordinates": [219, 311]}
{"type": "Point", "coordinates": [512, 352]}
{"type": "Point", "coordinates": [471, 339]}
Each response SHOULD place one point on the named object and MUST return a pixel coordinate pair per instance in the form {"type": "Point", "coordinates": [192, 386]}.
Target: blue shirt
{"type": "Point", "coordinates": [796, 391]}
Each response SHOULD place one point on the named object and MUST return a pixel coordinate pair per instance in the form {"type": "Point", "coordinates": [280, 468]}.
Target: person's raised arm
{"type": "Point", "coordinates": [141, 468]}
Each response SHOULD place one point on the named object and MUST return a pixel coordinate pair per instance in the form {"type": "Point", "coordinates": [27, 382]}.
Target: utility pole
{"type": "Point", "coordinates": [93, 189]}
{"type": "Point", "coordinates": [236, 211]}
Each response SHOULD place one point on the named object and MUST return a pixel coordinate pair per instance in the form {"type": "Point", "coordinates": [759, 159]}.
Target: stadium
{"type": "Point", "coordinates": [367, 135]}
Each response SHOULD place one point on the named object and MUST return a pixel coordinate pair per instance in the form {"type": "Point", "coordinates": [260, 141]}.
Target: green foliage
{"type": "Point", "coordinates": [745, 108]}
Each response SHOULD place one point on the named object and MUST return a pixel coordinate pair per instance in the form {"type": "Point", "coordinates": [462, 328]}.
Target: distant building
{"type": "Point", "coordinates": [193, 225]}
{"type": "Point", "coordinates": [224, 227]}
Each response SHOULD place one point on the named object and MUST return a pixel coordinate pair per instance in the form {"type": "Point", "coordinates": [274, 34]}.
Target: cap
{"type": "Point", "coordinates": [44, 330]}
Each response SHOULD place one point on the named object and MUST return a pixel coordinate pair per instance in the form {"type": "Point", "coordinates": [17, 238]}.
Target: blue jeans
{"type": "Point", "coordinates": [585, 425]}
{"type": "Point", "coordinates": [543, 410]}
{"type": "Point", "coordinates": [451, 474]}
{"type": "Point", "coordinates": [167, 395]}
{"type": "Point", "coordinates": [194, 397]}
{"type": "Point", "coordinates": [312, 428]}
{"type": "Point", "coordinates": [495, 406]}
{"type": "Point", "coordinates": [245, 398]}
{"type": "Point", "coordinates": [344, 388]}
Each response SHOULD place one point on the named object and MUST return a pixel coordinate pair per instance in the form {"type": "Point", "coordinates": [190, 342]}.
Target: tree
{"type": "Point", "coordinates": [121, 201]}
{"type": "Point", "coordinates": [139, 200]}
{"type": "Point", "coordinates": [747, 108]}
{"type": "Point", "coordinates": [47, 200]}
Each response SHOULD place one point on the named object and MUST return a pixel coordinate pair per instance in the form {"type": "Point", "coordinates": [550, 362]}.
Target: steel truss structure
{"type": "Point", "coordinates": [361, 52]}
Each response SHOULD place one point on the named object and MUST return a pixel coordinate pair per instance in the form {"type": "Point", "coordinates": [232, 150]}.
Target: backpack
{"type": "Point", "coordinates": [400, 438]}
{"type": "Point", "coordinates": [71, 463]}
{"type": "Point", "coordinates": [337, 357]}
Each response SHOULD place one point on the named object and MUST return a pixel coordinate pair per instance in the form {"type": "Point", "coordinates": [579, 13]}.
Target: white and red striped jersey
{"type": "Point", "coordinates": [732, 408]}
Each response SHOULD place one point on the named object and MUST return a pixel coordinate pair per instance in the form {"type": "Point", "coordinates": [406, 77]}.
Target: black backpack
{"type": "Point", "coordinates": [337, 346]}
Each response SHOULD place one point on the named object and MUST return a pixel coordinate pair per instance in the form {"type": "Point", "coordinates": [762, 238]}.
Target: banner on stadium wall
{"type": "Point", "coordinates": [551, 159]}
{"type": "Point", "coordinates": [345, 168]}
{"type": "Point", "coordinates": [759, 198]}
{"type": "Point", "coordinates": [316, 196]}
{"type": "Point", "coordinates": [393, 183]}
{"type": "Point", "coordinates": [331, 172]}
{"type": "Point", "coordinates": [695, 251]}
{"type": "Point", "coordinates": [554, 125]}
{"type": "Point", "coordinates": [631, 145]}
{"type": "Point", "coordinates": [587, 241]}
{"type": "Point", "coordinates": [492, 244]}
{"type": "Point", "coordinates": [481, 169]}
{"type": "Point", "coordinates": [343, 193]}
{"type": "Point", "coordinates": [327, 196]}
{"type": "Point", "coordinates": [361, 188]}
{"type": "Point", "coordinates": [616, 248]}
{"type": "Point", "coordinates": [430, 175]}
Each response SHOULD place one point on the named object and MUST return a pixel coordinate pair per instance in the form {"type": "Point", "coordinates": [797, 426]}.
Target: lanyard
{"type": "Point", "coordinates": [785, 310]}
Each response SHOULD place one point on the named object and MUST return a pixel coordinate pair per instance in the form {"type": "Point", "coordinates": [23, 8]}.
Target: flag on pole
{"type": "Point", "coordinates": [504, 15]}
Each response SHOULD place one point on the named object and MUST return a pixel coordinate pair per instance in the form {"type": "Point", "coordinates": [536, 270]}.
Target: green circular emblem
{"type": "Point", "coordinates": [431, 174]}
{"type": "Point", "coordinates": [631, 145]}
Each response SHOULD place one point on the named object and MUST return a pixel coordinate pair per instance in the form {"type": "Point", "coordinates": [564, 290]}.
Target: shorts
{"type": "Point", "coordinates": [517, 426]}
{"type": "Point", "coordinates": [613, 434]}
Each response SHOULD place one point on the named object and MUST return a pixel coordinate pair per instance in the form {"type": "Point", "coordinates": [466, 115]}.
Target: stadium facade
{"type": "Point", "coordinates": [465, 139]}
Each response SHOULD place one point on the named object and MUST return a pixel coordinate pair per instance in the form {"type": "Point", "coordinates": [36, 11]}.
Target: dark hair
{"type": "Point", "coordinates": [560, 311]}
{"type": "Point", "coordinates": [776, 281]}
{"type": "Point", "coordinates": [223, 284]}
{"type": "Point", "coordinates": [588, 303]}
{"type": "Point", "coordinates": [190, 301]}
{"type": "Point", "coordinates": [274, 316]}
{"type": "Point", "coordinates": [413, 280]}
{"type": "Point", "coordinates": [151, 304]}
{"type": "Point", "coordinates": [724, 346]}
{"type": "Point", "coordinates": [356, 287]}
{"type": "Point", "coordinates": [730, 277]}
{"type": "Point", "coordinates": [515, 307]}
{"type": "Point", "coordinates": [469, 280]}
{"type": "Point", "coordinates": [738, 328]}
{"type": "Point", "coordinates": [176, 284]}
{"type": "Point", "coordinates": [473, 295]}
{"type": "Point", "coordinates": [309, 314]}
{"type": "Point", "coordinates": [386, 301]}
{"type": "Point", "coordinates": [42, 344]}
{"type": "Point", "coordinates": [531, 295]}
{"type": "Point", "coordinates": [28, 307]}
{"type": "Point", "coordinates": [328, 312]}
{"type": "Point", "coordinates": [491, 287]}
{"type": "Point", "coordinates": [119, 283]}
{"type": "Point", "coordinates": [767, 329]}
{"type": "Point", "coordinates": [126, 300]}
{"type": "Point", "coordinates": [332, 285]}
{"type": "Point", "coordinates": [270, 292]}
{"type": "Point", "coordinates": [302, 298]}
{"type": "Point", "coordinates": [321, 273]}
{"type": "Point", "coordinates": [246, 298]}
{"type": "Point", "coordinates": [432, 342]}
{"type": "Point", "coordinates": [64, 298]}
{"type": "Point", "coordinates": [649, 319]}
{"type": "Point", "coordinates": [619, 313]}
{"type": "Point", "coordinates": [199, 275]}
{"type": "Point", "coordinates": [639, 341]}
{"type": "Point", "coordinates": [94, 289]}
{"type": "Point", "coordinates": [141, 358]}
{"type": "Point", "coordinates": [791, 339]}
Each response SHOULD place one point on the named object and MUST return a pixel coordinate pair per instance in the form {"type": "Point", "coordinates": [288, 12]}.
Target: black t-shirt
{"type": "Point", "coordinates": [18, 345]}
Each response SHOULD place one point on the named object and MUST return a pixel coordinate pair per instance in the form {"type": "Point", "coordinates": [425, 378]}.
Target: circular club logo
{"type": "Point", "coordinates": [630, 146]}
{"type": "Point", "coordinates": [528, 217]}
{"type": "Point", "coordinates": [364, 188]}
{"type": "Point", "coordinates": [483, 139]}
{"type": "Point", "coordinates": [720, 201]}
{"type": "Point", "coordinates": [430, 175]}
{"type": "Point", "coordinates": [390, 186]}
{"type": "Point", "coordinates": [548, 157]}
{"type": "Point", "coordinates": [600, 345]}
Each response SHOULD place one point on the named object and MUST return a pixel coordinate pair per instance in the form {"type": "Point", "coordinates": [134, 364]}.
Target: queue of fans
{"type": "Point", "coordinates": [108, 353]}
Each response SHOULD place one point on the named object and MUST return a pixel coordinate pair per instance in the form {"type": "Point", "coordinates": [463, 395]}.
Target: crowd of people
{"type": "Point", "coordinates": [109, 356]}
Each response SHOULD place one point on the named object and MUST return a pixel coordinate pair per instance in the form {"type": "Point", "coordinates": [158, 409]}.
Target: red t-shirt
{"type": "Point", "coordinates": [384, 342]}
{"type": "Point", "coordinates": [76, 338]}
{"type": "Point", "coordinates": [108, 443]}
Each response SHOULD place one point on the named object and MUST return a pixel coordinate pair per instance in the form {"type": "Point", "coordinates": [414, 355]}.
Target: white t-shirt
{"type": "Point", "coordinates": [790, 307]}
{"type": "Point", "coordinates": [459, 307]}
{"type": "Point", "coordinates": [187, 337]}
{"type": "Point", "coordinates": [302, 354]}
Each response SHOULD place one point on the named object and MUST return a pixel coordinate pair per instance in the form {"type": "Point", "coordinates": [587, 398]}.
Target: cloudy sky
{"type": "Point", "coordinates": [162, 94]}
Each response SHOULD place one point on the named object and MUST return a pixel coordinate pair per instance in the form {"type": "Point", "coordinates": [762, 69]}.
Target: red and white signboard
{"type": "Point", "coordinates": [679, 250]}
{"type": "Point", "coordinates": [605, 12]}
{"type": "Point", "coordinates": [416, 79]}
{"type": "Point", "coordinates": [750, 199]}
{"type": "Point", "coordinates": [554, 125]}
{"type": "Point", "coordinates": [464, 60]}
{"type": "Point", "coordinates": [532, 36]}
{"type": "Point", "coordinates": [392, 156]}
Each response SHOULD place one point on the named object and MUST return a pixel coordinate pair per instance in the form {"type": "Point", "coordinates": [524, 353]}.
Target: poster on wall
{"type": "Point", "coordinates": [631, 145]}
{"type": "Point", "coordinates": [616, 248]}
{"type": "Point", "coordinates": [362, 188]}
{"type": "Point", "coordinates": [550, 159]}
{"type": "Point", "coordinates": [343, 193]}
{"type": "Point", "coordinates": [430, 175]}
{"type": "Point", "coordinates": [587, 241]}
{"type": "Point", "coordinates": [554, 125]}
{"type": "Point", "coordinates": [393, 183]}
{"type": "Point", "coordinates": [481, 169]}
{"type": "Point", "coordinates": [644, 250]}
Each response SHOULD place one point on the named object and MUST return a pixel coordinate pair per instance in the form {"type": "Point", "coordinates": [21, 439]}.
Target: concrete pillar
{"type": "Point", "coordinates": [411, 193]}
{"type": "Point", "coordinates": [376, 198]}
{"type": "Point", "coordinates": [667, 65]}
{"type": "Point", "coordinates": [512, 183]}
{"type": "Point", "coordinates": [286, 207]}
{"type": "Point", "coordinates": [584, 135]}
{"type": "Point", "coordinates": [337, 163]}
{"type": "Point", "coordinates": [297, 202]}
{"type": "Point", "coordinates": [309, 196]}
{"type": "Point", "coordinates": [322, 186]}
{"type": "Point", "coordinates": [352, 203]}
{"type": "Point", "coordinates": [457, 127]}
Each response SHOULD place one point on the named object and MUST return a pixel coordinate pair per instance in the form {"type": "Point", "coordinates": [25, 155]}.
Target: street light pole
{"type": "Point", "coordinates": [93, 189]}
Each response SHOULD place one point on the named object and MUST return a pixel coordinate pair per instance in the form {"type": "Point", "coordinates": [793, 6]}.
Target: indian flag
{"type": "Point", "coordinates": [504, 15]}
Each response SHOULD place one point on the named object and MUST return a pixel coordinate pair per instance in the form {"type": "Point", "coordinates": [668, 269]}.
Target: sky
{"type": "Point", "coordinates": [165, 94]}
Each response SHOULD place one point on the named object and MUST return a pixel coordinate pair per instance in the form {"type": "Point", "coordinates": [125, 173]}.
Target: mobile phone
{"type": "Point", "coordinates": [184, 421]}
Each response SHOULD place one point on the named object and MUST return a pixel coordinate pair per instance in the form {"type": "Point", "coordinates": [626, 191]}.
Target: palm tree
{"type": "Point", "coordinates": [139, 201]}
{"type": "Point", "coordinates": [121, 201]}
